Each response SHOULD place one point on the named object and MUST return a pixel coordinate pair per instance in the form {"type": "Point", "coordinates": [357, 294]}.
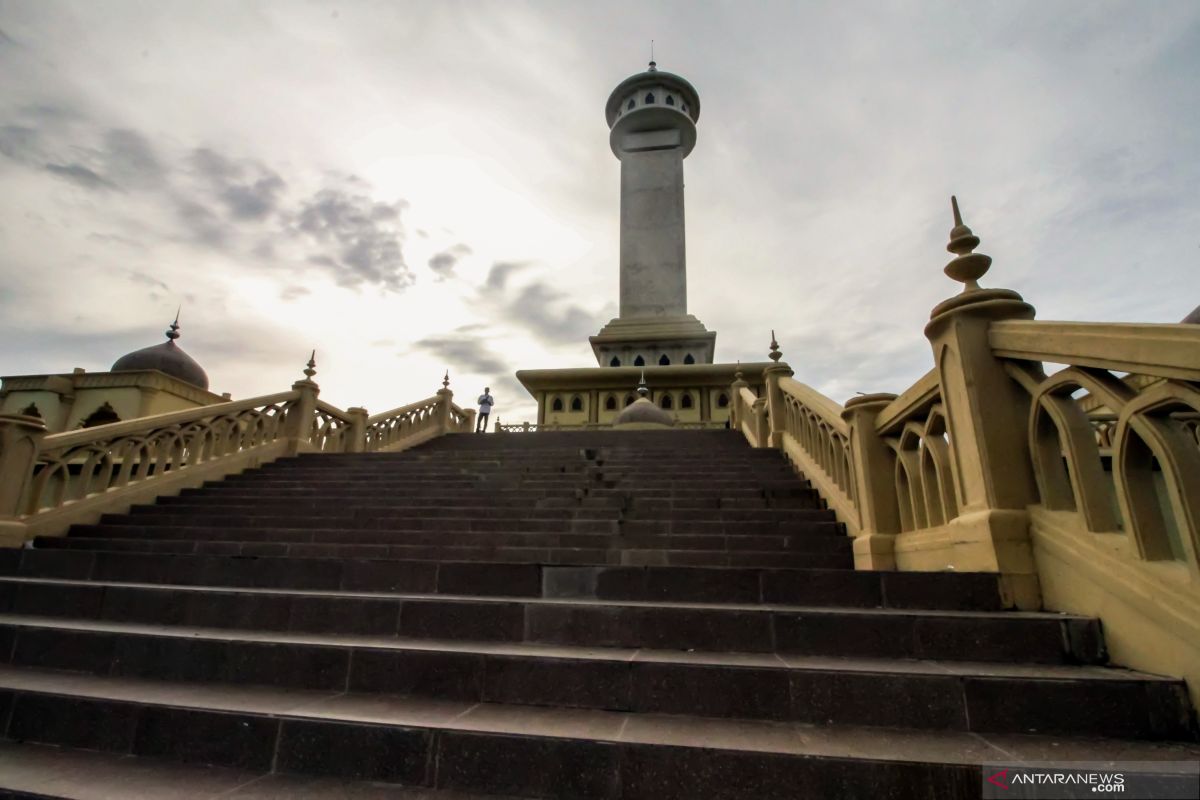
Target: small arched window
{"type": "Point", "coordinates": [663, 361]}
{"type": "Point", "coordinates": [723, 400]}
{"type": "Point", "coordinates": [628, 399]}
{"type": "Point", "coordinates": [611, 403]}
{"type": "Point", "coordinates": [577, 403]}
{"type": "Point", "coordinates": [688, 359]}
{"type": "Point", "coordinates": [616, 362]}
{"type": "Point", "coordinates": [103, 415]}
{"type": "Point", "coordinates": [632, 103]}
{"type": "Point", "coordinates": [557, 405]}
{"type": "Point", "coordinates": [639, 362]}
{"type": "Point", "coordinates": [683, 107]}
{"type": "Point", "coordinates": [650, 98]}
{"type": "Point", "coordinates": [670, 100]}
{"type": "Point", "coordinates": [686, 400]}
{"type": "Point", "coordinates": [665, 401]}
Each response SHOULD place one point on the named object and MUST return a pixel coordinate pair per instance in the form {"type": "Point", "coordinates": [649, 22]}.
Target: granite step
{"type": "Point", "coordinates": [518, 750]}
{"type": "Point", "coordinates": [1089, 701]}
{"type": "Point", "coordinates": [47, 772]}
{"type": "Point", "coordinates": [831, 587]}
{"type": "Point", "coordinates": [723, 627]}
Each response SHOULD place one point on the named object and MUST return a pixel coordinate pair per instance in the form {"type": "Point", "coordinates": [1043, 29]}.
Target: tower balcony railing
{"type": "Point", "coordinates": [49, 482]}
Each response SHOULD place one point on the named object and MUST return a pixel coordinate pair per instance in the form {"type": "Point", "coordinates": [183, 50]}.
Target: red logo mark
{"type": "Point", "coordinates": [999, 779]}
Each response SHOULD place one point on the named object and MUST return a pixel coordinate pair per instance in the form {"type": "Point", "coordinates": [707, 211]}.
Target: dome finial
{"type": "Point", "coordinates": [653, 66]}
{"type": "Point", "coordinates": [968, 266]}
{"type": "Point", "coordinates": [642, 389]}
{"type": "Point", "coordinates": [173, 334]}
{"type": "Point", "coordinates": [775, 353]}
{"type": "Point", "coordinates": [446, 380]}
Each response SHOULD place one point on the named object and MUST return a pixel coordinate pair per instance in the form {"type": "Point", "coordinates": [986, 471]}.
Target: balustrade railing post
{"type": "Point", "coordinates": [445, 401]}
{"type": "Point", "coordinates": [299, 422]}
{"type": "Point", "coordinates": [735, 399]}
{"type": "Point", "coordinates": [986, 418]}
{"type": "Point", "coordinates": [468, 425]}
{"type": "Point", "coordinates": [775, 410]}
{"type": "Point", "coordinates": [873, 465]}
{"type": "Point", "coordinates": [20, 440]}
{"type": "Point", "coordinates": [356, 437]}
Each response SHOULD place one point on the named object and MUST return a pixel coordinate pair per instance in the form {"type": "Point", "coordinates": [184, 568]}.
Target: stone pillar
{"type": "Point", "coordinates": [356, 440]}
{"type": "Point", "coordinates": [776, 413]}
{"type": "Point", "coordinates": [874, 484]}
{"type": "Point", "coordinates": [469, 424]}
{"type": "Point", "coordinates": [735, 398]}
{"type": "Point", "coordinates": [445, 399]}
{"type": "Point", "coordinates": [987, 416]}
{"type": "Point", "coordinates": [20, 439]}
{"type": "Point", "coordinates": [300, 418]}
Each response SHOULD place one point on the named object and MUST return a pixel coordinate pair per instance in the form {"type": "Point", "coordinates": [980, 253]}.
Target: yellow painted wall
{"type": "Point", "coordinates": [127, 402]}
{"type": "Point", "coordinates": [49, 405]}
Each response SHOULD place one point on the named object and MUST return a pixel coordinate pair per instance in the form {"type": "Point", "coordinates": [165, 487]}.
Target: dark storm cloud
{"type": "Point", "coordinates": [81, 175]}
{"type": "Point", "coordinates": [361, 238]}
{"type": "Point", "coordinates": [442, 264]}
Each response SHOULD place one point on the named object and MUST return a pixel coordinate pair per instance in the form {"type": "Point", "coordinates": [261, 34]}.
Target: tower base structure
{"type": "Point", "coordinates": [656, 341]}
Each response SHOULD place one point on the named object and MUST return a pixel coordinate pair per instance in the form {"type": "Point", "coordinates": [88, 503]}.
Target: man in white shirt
{"type": "Point", "coordinates": [486, 401]}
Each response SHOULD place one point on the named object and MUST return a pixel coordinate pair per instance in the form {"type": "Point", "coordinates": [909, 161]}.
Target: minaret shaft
{"type": "Point", "coordinates": [653, 259]}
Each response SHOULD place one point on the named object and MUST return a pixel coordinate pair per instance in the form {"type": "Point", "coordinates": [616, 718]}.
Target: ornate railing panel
{"type": "Point", "coordinates": [392, 429]}
{"type": "Point", "coordinates": [331, 428]}
{"type": "Point", "coordinates": [76, 465]}
{"type": "Point", "coordinates": [817, 440]}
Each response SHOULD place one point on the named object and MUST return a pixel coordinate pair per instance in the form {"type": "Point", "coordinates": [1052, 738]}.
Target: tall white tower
{"type": "Point", "coordinates": [652, 117]}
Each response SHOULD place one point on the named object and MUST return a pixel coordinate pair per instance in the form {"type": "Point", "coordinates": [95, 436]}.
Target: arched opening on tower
{"type": "Point", "coordinates": [686, 400]}
{"type": "Point", "coordinates": [639, 362]}
{"type": "Point", "coordinates": [628, 399]}
{"type": "Point", "coordinates": [632, 103]}
{"type": "Point", "coordinates": [615, 362]}
{"type": "Point", "coordinates": [688, 359]}
{"type": "Point", "coordinates": [558, 404]}
{"type": "Point", "coordinates": [663, 361]}
{"type": "Point", "coordinates": [611, 403]}
{"type": "Point", "coordinates": [723, 400]}
{"type": "Point", "coordinates": [670, 100]}
{"type": "Point", "coordinates": [666, 402]}
{"type": "Point", "coordinates": [650, 98]}
{"type": "Point", "coordinates": [577, 403]}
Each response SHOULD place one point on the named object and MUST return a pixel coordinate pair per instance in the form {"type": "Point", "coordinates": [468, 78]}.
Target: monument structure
{"type": "Point", "coordinates": [652, 117]}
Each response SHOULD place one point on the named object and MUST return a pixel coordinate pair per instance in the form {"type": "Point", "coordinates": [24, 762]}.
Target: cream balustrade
{"type": "Point", "coordinates": [1063, 456]}
{"type": "Point", "coordinates": [817, 441]}
{"type": "Point", "coordinates": [50, 482]}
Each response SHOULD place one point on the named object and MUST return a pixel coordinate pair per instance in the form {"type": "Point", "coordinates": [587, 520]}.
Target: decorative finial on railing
{"type": "Point", "coordinates": [311, 369]}
{"type": "Point", "coordinates": [446, 380]}
{"type": "Point", "coordinates": [968, 266]}
{"type": "Point", "coordinates": [173, 334]}
{"type": "Point", "coordinates": [737, 375]}
{"type": "Point", "coordinates": [775, 353]}
{"type": "Point", "coordinates": [642, 389]}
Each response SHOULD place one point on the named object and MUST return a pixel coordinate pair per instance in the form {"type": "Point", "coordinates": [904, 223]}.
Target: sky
{"type": "Point", "coordinates": [410, 187]}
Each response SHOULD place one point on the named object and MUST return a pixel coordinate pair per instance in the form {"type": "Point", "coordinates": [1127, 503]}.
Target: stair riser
{"type": "Point", "coordinates": [524, 555]}
{"type": "Point", "coordinates": [841, 588]}
{"type": "Point", "coordinates": [1115, 708]}
{"type": "Point", "coordinates": [530, 766]}
{"type": "Point", "coordinates": [816, 632]}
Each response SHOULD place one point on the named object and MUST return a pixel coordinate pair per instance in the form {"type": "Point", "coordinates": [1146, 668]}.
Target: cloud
{"type": "Point", "coordinates": [131, 161]}
{"type": "Point", "coordinates": [533, 306]}
{"type": "Point", "coordinates": [290, 293]}
{"type": "Point", "coordinates": [361, 237]}
{"type": "Point", "coordinates": [466, 353]}
{"type": "Point", "coordinates": [499, 274]}
{"type": "Point", "coordinates": [442, 264]}
{"type": "Point", "coordinates": [81, 175]}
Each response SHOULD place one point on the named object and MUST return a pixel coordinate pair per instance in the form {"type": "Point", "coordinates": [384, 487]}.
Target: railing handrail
{"type": "Point", "coordinates": [1147, 348]}
{"type": "Point", "coordinates": [913, 401]}
{"type": "Point", "coordinates": [333, 411]}
{"type": "Point", "coordinates": [100, 433]}
{"type": "Point", "coordinates": [395, 412]}
{"type": "Point", "coordinates": [828, 409]}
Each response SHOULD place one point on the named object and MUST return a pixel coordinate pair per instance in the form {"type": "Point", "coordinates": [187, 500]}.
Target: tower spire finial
{"type": "Point", "coordinates": [653, 65]}
{"type": "Point", "coordinates": [311, 368]}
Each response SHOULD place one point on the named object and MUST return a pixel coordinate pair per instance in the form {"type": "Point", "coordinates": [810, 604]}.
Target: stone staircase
{"type": "Point", "coordinates": [553, 615]}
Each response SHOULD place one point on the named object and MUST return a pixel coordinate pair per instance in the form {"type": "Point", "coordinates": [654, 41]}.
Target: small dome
{"type": "Point", "coordinates": [167, 357]}
{"type": "Point", "coordinates": [643, 412]}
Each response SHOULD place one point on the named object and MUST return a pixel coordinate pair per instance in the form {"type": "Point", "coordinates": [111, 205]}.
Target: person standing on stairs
{"type": "Point", "coordinates": [486, 401]}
